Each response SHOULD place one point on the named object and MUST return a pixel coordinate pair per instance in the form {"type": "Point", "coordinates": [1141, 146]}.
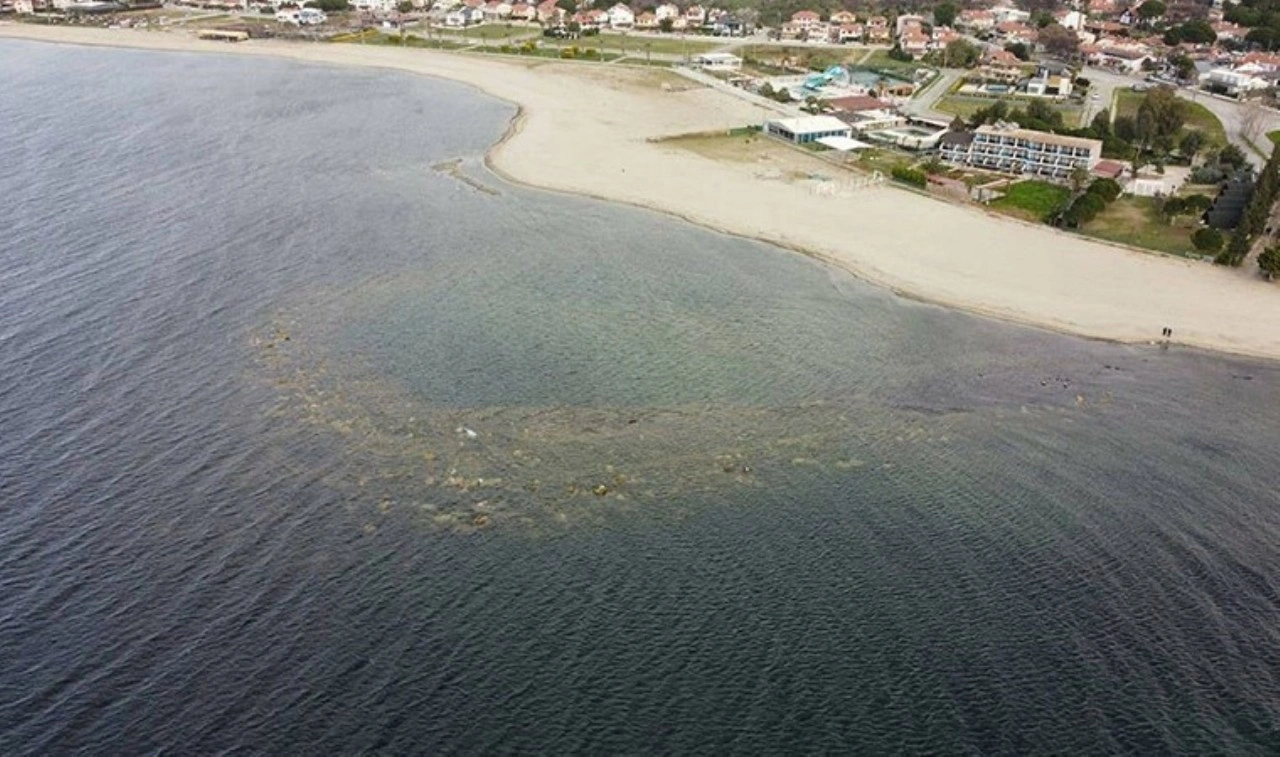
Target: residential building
{"type": "Point", "coordinates": [1006, 13]}
{"type": "Point", "coordinates": [847, 33]}
{"type": "Point", "coordinates": [976, 20]}
{"type": "Point", "coordinates": [806, 19]}
{"type": "Point", "coordinates": [943, 36]}
{"type": "Point", "coordinates": [464, 16]}
{"type": "Point", "coordinates": [1052, 79]}
{"type": "Point", "coordinates": [1001, 66]}
{"type": "Point", "coordinates": [914, 43]}
{"type": "Point", "coordinates": [1235, 82]}
{"type": "Point", "coordinates": [1117, 55]}
{"type": "Point", "coordinates": [550, 13]}
{"type": "Point", "coordinates": [695, 16]}
{"type": "Point", "coordinates": [726, 25]}
{"type": "Point", "coordinates": [807, 129]}
{"type": "Point", "coordinates": [665, 11]}
{"type": "Point", "coordinates": [621, 17]}
{"type": "Point", "coordinates": [497, 10]}
{"type": "Point", "coordinates": [878, 30]}
{"type": "Point", "coordinates": [839, 18]}
{"type": "Point", "coordinates": [1007, 148]}
{"type": "Point", "coordinates": [524, 12]}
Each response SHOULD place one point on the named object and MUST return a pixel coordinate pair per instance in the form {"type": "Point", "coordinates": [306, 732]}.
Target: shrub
{"type": "Point", "coordinates": [1173, 206]}
{"type": "Point", "coordinates": [910, 176]}
{"type": "Point", "coordinates": [1197, 203]}
{"type": "Point", "coordinates": [1107, 189]}
{"type": "Point", "coordinates": [1207, 174]}
{"type": "Point", "coordinates": [1207, 239]}
{"type": "Point", "coordinates": [1087, 207]}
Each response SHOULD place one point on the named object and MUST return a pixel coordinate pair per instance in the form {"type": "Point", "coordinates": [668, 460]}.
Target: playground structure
{"type": "Point", "coordinates": [815, 82]}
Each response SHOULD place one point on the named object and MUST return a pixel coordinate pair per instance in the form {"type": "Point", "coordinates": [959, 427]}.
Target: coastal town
{"type": "Point", "coordinates": [1144, 124]}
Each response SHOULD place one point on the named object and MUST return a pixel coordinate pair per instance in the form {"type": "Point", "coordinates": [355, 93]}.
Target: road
{"type": "Point", "coordinates": [1233, 115]}
{"type": "Point", "coordinates": [922, 105]}
{"type": "Point", "coordinates": [1236, 117]}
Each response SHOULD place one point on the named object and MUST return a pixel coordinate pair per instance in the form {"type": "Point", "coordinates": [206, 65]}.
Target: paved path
{"type": "Point", "coordinates": [922, 106]}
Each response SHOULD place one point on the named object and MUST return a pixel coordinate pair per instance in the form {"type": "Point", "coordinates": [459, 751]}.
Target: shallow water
{"type": "Point", "coordinates": [303, 441]}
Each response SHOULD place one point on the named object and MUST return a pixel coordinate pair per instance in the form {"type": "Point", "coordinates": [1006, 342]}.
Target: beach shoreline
{"type": "Point", "coordinates": [590, 130]}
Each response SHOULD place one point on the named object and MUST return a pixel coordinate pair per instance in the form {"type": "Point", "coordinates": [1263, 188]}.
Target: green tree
{"type": "Point", "coordinates": [1207, 239]}
{"type": "Point", "coordinates": [1019, 50]}
{"type": "Point", "coordinates": [1101, 124]}
{"type": "Point", "coordinates": [958, 124]}
{"type": "Point", "coordinates": [1079, 178]}
{"type": "Point", "coordinates": [404, 6]}
{"type": "Point", "coordinates": [945, 14]}
{"type": "Point", "coordinates": [1160, 116]}
{"type": "Point", "coordinates": [1269, 262]}
{"type": "Point", "coordinates": [1190, 144]}
{"type": "Point", "coordinates": [1151, 9]}
{"type": "Point", "coordinates": [1124, 128]}
{"type": "Point", "coordinates": [1183, 66]}
{"type": "Point", "coordinates": [1232, 156]}
{"type": "Point", "coordinates": [1173, 206]}
{"type": "Point", "coordinates": [330, 6]}
{"type": "Point", "coordinates": [1197, 32]}
{"type": "Point", "coordinates": [1107, 189]}
{"type": "Point", "coordinates": [960, 53]}
{"type": "Point", "coordinates": [1059, 41]}
{"type": "Point", "coordinates": [666, 25]}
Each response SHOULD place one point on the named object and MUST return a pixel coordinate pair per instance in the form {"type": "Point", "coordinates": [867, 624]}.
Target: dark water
{"type": "Point", "coordinates": [301, 440]}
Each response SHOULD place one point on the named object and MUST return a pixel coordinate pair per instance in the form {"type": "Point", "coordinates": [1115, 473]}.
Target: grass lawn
{"type": "Point", "coordinates": [495, 32]}
{"type": "Point", "coordinates": [636, 46]}
{"type": "Point", "coordinates": [1199, 117]}
{"type": "Point", "coordinates": [880, 59]}
{"type": "Point", "coordinates": [1136, 221]}
{"type": "Point", "coordinates": [1274, 136]}
{"type": "Point", "coordinates": [374, 37]}
{"type": "Point", "coordinates": [882, 160]}
{"type": "Point", "coordinates": [1032, 199]}
{"type": "Point", "coordinates": [965, 106]}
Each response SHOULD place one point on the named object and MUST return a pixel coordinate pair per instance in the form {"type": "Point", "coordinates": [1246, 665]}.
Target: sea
{"type": "Point", "coordinates": [317, 437]}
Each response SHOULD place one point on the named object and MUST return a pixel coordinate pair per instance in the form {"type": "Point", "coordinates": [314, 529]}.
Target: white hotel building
{"type": "Point", "coordinates": [1007, 148]}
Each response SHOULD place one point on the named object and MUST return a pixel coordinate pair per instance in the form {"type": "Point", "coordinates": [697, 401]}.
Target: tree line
{"type": "Point", "coordinates": [1256, 214]}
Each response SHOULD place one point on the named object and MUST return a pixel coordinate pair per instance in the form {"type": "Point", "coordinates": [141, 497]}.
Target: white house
{"type": "Point", "coordinates": [463, 16]}
{"type": "Point", "coordinates": [807, 129]}
{"type": "Point", "coordinates": [665, 11]}
{"type": "Point", "coordinates": [497, 10]}
{"type": "Point", "coordinates": [24, 7]}
{"type": "Point", "coordinates": [1234, 83]}
{"type": "Point", "coordinates": [621, 17]}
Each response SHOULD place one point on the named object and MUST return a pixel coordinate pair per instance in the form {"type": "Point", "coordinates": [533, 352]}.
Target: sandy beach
{"type": "Point", "coordinates": [592, 129]}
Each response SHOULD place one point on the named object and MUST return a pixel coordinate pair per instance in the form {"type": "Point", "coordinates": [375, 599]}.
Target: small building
{"type": "Point", "coordinates": [718, 61]}
{"type": "Point", "coordinates": [807, 129]}
{"type": "Point", "coordinates": [621, 17]}
{"type": "Point", "coordinates": [1052, 79]}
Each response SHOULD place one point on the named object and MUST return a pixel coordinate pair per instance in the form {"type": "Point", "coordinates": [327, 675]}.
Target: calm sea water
{"type": "Point", "coordinates": [309, 447]}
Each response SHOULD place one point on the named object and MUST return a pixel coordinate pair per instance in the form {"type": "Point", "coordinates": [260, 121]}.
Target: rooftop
{"type": "Point", "coordinates": [1043, 137]}
{"type": "Point", "coordinates": [809, 124]}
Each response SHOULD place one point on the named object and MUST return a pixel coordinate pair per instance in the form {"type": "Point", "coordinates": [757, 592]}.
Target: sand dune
{"type": "Point", "coordinates": [591, 129]}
